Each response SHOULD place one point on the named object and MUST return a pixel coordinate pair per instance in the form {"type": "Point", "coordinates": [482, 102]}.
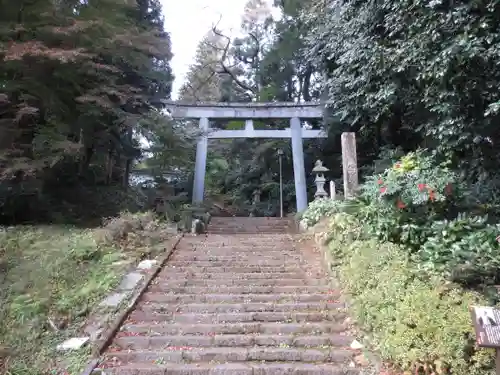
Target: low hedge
{"type": "Point", "coordinates": [413, 321]}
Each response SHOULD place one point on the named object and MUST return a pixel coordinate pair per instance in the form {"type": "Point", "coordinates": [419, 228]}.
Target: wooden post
{"type": "Point", "coordinates": [485, 320]}
{"type": "Point", "coordinates": [497, 361]}
{"type": "Point", "coordinates": [349, 165]}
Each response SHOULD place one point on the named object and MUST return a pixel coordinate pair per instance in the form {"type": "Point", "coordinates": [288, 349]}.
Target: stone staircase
{"type": "Point", "coordinates": [250, 225]}
{"type": "Point", "coordinates": [243, 300]}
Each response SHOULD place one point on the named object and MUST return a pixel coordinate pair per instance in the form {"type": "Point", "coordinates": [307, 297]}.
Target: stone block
{"type": "Point", "coordinates": [147, 264]}
{"type": "Point", "coordinates": [130, 281]}
{"type": "Point", "coordinates": [73, 343]}
{"type": "Point", "coordinates": [113, 300]}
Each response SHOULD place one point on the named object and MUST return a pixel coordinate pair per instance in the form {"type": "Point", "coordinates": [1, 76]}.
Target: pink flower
{"type": "Point", "coordinates": [432, 196]}
{"type": "Point", "coordinates": [400, 204]}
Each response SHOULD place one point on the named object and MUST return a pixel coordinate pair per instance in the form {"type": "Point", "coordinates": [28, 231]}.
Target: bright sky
{"type": "Point", "coordinates": [187, 21]}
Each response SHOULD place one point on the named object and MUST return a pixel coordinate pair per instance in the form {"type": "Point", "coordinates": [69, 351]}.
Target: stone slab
{"type": "Point", "coordinates": [147, 264]}
{"type": "Point", "coordinates": [73, 343]}
{"type": "Point", "coordinates": [113, 300]}
{"type": "Point", "coordinates": [130, 281]}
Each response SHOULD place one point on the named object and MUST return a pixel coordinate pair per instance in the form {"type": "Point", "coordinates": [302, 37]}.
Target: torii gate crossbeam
{"type": "Point", "coordinates": [248, 111]}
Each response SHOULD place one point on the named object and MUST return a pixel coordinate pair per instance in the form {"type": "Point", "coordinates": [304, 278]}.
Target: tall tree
{"type": "Point", "coordinates": [203, 81]}
{"type": "Point", "coordinates": [414, 74]}
{"type": "Point", "coordinates": [77, 78]}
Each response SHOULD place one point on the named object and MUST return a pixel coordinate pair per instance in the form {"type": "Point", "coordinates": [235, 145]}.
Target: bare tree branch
{"type": "Point", "coordinates": [224, 67]}
{"type": "Point", "coordinates": [193, 90]}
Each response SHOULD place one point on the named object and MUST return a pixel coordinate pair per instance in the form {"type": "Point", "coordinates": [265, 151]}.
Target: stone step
{"type": "Point", "coordinates": [240, 276]}
{"type": "Point", "coordinates": [241, 242]}
{"type": "Point", "coordinates": [231, 368]}
{"type": "Point", "coordinates": [240, 317]}
{"type": "Point", "coordinates": [229, 249]}
{"type": "Point", "coordinates": [163, 342]}
{"type": "Point", "coordinates": [244, 229]}
{"type": "Point", "coordinates": [277, 227]}
{"type": "Point", "coordinates": [250, 225]}
{"type": "Point", "coordinates": [207, 256]}
{"type": "Point", "coordinates": [170, 329]}
{"type": "Point", "coordinates": [242, 263]}
{"type": "Point", "coordinates": [242, 304]}
{"type": "Point", "coordinates": [238, 282]}
{"type": "Point", "coordinates": [241, 289]}
{"type": "Point", "coordinates": [159, 297]}
{"type": "Point", "coordinates": [153, 307]}
{"type": "Point", "coordinates": [234, 354]}
{"type": "Point", "coordinates": [258, 231]}
{"type": "Point", "coordinates": [248, 269]}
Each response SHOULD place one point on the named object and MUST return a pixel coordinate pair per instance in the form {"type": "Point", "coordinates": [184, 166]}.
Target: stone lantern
{"type": "Point", "coordinates": [320, 180]}
{"type": "Point", "coordinates": [256, 196]}
{"type": "Point", "coordinates": [255, 201]}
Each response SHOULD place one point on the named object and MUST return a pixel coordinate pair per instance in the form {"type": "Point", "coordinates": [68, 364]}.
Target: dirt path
{"type": "Point", "coordinates": [236, 304]}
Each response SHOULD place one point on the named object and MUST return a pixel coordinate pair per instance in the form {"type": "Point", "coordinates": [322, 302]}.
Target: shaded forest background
{"type": "Point", "coordinates": [84, 85]}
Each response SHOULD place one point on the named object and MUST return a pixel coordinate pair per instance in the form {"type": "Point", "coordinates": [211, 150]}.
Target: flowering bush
{"type": "Point", "coordinates": [416, 203]}
{"type": "Point", "coordinates": [404, 199]}
{"type": "Point", "coordinates": [396, 251]}
{"type": "Point", "coordinates": [415, 180]}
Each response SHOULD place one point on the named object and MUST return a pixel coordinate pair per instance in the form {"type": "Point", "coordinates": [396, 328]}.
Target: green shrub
{"type": "Point", "coordinates": [465, 250]}
{"type": "Point", "coordinates": [413, 320]}
{"type": "Point", "coordinates": [319, 209]}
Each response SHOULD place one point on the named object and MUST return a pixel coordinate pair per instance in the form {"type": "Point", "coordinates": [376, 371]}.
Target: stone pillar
{"type": "Point", "coordinates": [299, 171]}
{"type": "Point", "coordinates": [333, 193]}
{"type": "Point", "coordinates": [349, 165]}
{"type": "Point", "coordinates": [201, 163]}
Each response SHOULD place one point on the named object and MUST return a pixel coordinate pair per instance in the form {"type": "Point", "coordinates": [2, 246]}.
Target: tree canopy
{"type": "Point", "coordinates": [80, 85]}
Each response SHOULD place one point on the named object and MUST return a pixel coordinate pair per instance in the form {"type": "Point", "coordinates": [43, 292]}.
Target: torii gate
{"type": "Point", "coordinates": [295, 112]}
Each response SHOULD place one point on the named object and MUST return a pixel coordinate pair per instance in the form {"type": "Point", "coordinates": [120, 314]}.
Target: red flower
{"type": "Point", "coordinates": [421, 187]}
{"type": "Point", "coordinates": [383, 189]}
{"type": "Point", "coordinates": [432, 197]}
{"type": "Point", "coordinates": [380, 182]}
{"type": "Point", "coordinates": [448, 189]}
{"type": "Point", "coordinates": [400, 204]}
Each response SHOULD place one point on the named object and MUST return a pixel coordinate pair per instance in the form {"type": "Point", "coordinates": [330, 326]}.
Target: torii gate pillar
{"type": "Point", "coordinates": [299, 171]}
{"type": "Point", "coordinates": [200, 167]}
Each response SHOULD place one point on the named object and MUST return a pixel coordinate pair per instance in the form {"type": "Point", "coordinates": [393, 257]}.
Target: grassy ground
{"type": "Point", "coordinates": [50, 279]}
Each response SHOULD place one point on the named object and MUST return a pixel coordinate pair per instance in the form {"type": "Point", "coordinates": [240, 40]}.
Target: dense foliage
{"type": "Point", "coordinates": [410, 73]}
{"type": "Point", "coordinates": [412, 250]}
{"type": "Point", "coordinates": [414, 321]}
{"type": "Point", "coordinates": [79, 82]}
